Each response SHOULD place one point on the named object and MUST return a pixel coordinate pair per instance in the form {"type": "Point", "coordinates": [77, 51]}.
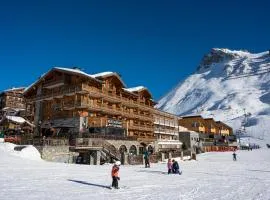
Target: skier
{"type": "Point", "coordinates": [234, 156]}
{"type": "Point", "coordinates": [146, 159]}
{"type": "Point", "coordinates": [175, 167]}
{"type": "Point", "coordinates": [169, 165]}
{"type": "Point", "coordinates": [115, 174]}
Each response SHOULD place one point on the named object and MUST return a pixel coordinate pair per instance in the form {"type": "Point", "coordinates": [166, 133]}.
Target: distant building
{"type": "Point", "coordinates": [12, 111]}
{"type": "Point", "coordinates": [213, 135]}
{"type": "Point", "coordinates": [12, 102]}
{"type": "Point", "coordinates": [191, 141]}
{"type": "Point", "coordinates": [194, 123]}
{"type": "Point", "coordinates": [166, 131]}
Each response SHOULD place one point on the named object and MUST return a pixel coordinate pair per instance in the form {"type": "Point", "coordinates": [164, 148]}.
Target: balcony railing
{"type": "Point", "coordinates": [140, 127]}
{"type": "Point", "coordinates": [54, 83]}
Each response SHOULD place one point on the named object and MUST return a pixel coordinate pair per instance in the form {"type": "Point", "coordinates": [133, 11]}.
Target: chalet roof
{"type": "Point", "coordinates": [13, 109]}
{"type": "Point", "coordinates": [103, 74]}
{"type": "Point", "coordinates": [14, 89]}
{"type": "Point", "coordinates": [220, 122]}
{"type": "Point", "coordinates": [108, 74]}
{"type": "Point", "coordinates": [192, 116]}
{"type": "Point", "coordinates": [18, 120]}
{"type": "Point", "coordinates": [138, 89]}
{"type": "Point", "coordinates": [74, 71]}
{"type": "Point", "coordinates": [124, 90]}
{"type": "Point", "coordinates": [209, 119]}
{"type": "Point", "coordinates": [62, 69]}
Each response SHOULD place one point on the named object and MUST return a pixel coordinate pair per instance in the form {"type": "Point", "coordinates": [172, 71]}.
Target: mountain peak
{"type": "Point", "coordinates": [221, 55]}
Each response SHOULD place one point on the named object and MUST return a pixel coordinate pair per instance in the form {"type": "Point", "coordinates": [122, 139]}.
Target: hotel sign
{"type": "Point", "coordinates": [114, 123]}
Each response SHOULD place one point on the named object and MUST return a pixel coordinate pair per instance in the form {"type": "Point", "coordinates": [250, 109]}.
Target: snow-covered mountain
{"type": "Point", "coordinates": [227, 85]}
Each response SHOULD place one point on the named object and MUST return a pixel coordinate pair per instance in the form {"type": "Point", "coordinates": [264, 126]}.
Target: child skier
{"type": "Point", "coordinates": [115, 174]}
{"type": "Point", "coordinates": [169, 165]}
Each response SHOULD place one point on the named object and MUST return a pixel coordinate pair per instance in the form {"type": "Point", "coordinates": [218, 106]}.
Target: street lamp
{"type": "Point", "coordinates": [39, 128]}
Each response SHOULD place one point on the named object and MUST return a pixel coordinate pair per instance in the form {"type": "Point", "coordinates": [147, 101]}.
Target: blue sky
{"type": "Point", "coordinates": [152, 43]}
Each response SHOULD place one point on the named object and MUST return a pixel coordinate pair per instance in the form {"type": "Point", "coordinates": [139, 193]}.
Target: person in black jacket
{"type": "Point", "coordinates": [175, 167]}
{"type": "Point", "coordinates": [234, 156]}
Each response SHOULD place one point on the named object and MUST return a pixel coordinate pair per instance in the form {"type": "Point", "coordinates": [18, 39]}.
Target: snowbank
{"type": "Point", "coordinates": [28, 151]}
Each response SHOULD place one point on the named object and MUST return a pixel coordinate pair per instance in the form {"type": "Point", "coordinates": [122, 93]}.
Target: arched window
{"type": "Point", "coordinates": [123, 149]}
{"type": "Point", "coordinates": [133, 150]}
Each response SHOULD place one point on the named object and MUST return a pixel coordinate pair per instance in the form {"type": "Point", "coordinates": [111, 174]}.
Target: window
{"type": "Point", "coordinates": [195, 124]}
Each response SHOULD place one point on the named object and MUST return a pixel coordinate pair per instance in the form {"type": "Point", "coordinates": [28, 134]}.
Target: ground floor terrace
{"type": "Point", "coordinates": [96, 150]}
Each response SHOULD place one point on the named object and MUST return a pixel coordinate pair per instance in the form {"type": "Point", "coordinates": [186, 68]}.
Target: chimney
{"type": "Point", "coordinates": [77, 68]}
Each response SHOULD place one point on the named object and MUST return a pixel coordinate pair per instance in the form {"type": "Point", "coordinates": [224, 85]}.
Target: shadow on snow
{"type": "Point", "coordinates": [91, 184]}
{"type": "Point", "coordinates": [153, 171]}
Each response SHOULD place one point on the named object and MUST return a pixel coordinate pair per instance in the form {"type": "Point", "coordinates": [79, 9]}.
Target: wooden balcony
{"type": "Point", "coordinates": [54, 84]}
{"type": "Point", "coordinates": [141, 127]}
{"type": "Point", "coordinates": [85, 89]}
{"type": "Point", "coordinates": [225, 132]}
{"type": "Point", "coordinates": [65, 91]}
{"type": "Point", "coordinates": [69, 106]}
{"type": "Point", "coordinates": [166, 131]}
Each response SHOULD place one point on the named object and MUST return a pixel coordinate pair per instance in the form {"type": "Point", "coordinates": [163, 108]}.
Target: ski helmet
{"type": "Point", "coordinates": [118, 163]}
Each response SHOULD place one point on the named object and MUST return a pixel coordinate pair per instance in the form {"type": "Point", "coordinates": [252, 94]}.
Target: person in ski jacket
{"type": "Point", "coordinates": [175, 167]}
{"type": "Point", "coordinates": [146, 159]}
{"type": "Point", "coordinates": [234, 156]}
{"type": "Point", "coordinates": [115, 174]}
{"type": "Point", "coordinates": [169, 165]}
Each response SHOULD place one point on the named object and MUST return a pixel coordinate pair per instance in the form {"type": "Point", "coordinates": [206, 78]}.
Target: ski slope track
{"type": "Point", "coordinates": [212, 176]}
{"type": "Point", "coordinates": [230, 86]}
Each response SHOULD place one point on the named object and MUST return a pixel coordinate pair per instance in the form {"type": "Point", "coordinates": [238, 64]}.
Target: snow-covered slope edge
{"type": "Point", "coordinates": [227, 86]}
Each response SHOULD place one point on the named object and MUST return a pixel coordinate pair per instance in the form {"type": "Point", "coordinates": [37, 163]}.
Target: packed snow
{"type": "Point", "coordinates": [227, 86]}
{"type": "Point", "coordinates": [212, 176]}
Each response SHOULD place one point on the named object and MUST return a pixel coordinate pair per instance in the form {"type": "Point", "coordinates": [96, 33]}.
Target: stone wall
{"type": "Point", "coordinates": [57, 154]}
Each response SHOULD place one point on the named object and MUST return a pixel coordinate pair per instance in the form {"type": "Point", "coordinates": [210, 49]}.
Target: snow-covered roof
{"type": "Point", "coordinates": [12, 89]}
{"type": "Point", "coordinates": [18, 120]}
{"type": "Point", "coordinates": [103, 74]}
{"type": "Point", "coordinates": [136, 89]}
{"type": "Point", "coordinates": [191, 116]}
{"type": "Point", "coordinates": [15, 109]}
{"type": "Point", "coordinates": [106, 74]}
{"type": "Point", "coordinates": [74, 71]}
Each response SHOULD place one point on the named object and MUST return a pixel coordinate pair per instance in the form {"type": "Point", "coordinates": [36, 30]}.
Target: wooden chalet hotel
{"type": "Point", "coordinates": [70, 102]}
{"type": "Point", "coordinates": [71, 99]}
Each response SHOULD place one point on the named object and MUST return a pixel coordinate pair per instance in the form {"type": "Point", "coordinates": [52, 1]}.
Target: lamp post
{"type": "Point", "coordinates": [39, 128]}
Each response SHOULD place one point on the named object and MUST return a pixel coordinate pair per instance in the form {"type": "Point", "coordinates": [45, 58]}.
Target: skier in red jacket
{"type": "Point", "coordinates": [115, 174]}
